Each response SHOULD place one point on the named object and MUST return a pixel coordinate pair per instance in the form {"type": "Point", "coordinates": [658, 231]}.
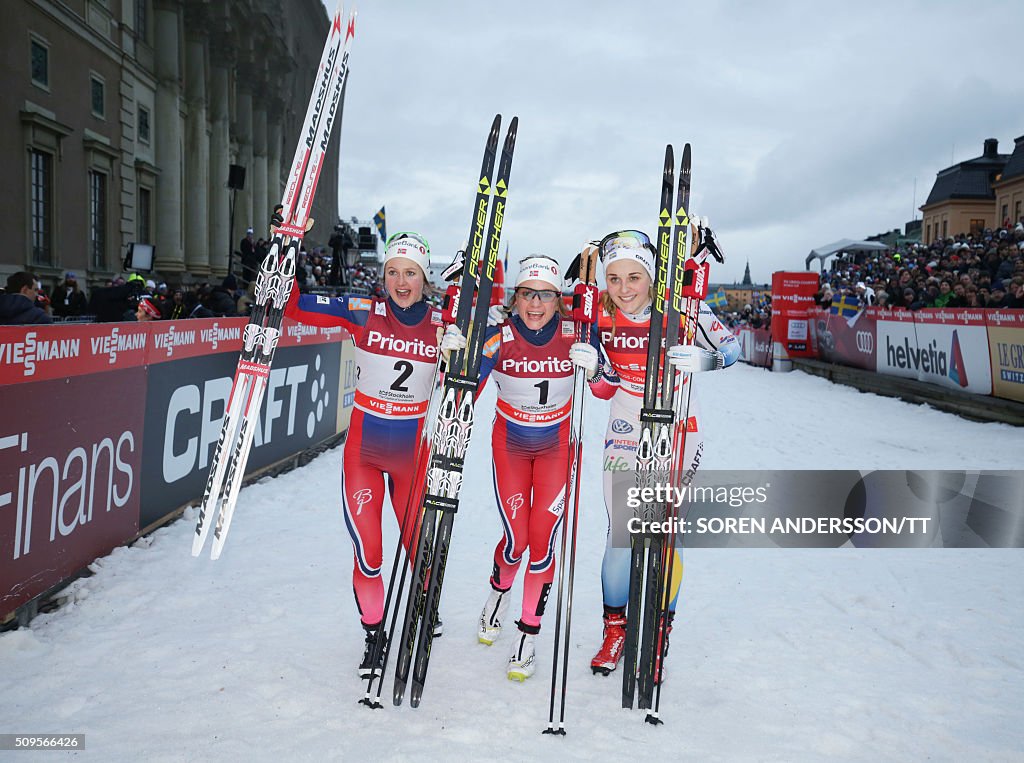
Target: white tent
{"type": "Point", "coordinates": [822, 253]}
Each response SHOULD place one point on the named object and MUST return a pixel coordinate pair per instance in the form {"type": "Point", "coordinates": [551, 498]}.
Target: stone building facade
{"type": "Point", "coordinates": [121, 119]}
{"type": "Point", "coordinates": [984, 192]}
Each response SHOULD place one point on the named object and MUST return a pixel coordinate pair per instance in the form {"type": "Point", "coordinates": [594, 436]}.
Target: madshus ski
{"type": "Point", "coordinates": [432, 439]}
{"type": "Point", "coordinates": [274, 284]}
{"type": "Point", "coordinates": [451, 439]}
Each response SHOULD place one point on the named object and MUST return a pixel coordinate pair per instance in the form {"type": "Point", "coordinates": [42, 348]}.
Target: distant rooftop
{"type": "Point", "coordinates": [971, 179]}
{"type": "Point", "coordinates": [1015, 165]}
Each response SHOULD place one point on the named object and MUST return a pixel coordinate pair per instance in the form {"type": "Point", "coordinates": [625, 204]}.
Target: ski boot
{"type": "Point", "coordinates": [664, 628]}
{"type": "Point", "coordinates": [368, 666]}
{"type": "Point", "coordinates": [521, 663]}
{"type": "Point", "coordinates": [608, 656]}
{"type": "Point", "coordinates": [493, 614]}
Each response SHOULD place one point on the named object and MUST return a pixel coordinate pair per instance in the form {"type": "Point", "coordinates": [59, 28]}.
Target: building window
{"type": "Point", "coordinates": [945, 228]}
{"type": "Point", "coordinates": [41, 206]}
{"type": "Point", "coordinates": [97, 97]}
{"type": "Point", "coordinates": [141, 18]}
{"type": "Point", "coordinates": [143, 126]}
{"type": "Point", "coordinates": [977, 227]}
{"type": "Point", "coordinates": [142, 216]}
{"type": "Point", "coordinates": [40, 58]}
{"type": "Point", "coordinates": [1016, 213]}
{"type": "Point", "coordinates": [98, 219]}
{"type": "Point", "coordinates": [1005, 212]}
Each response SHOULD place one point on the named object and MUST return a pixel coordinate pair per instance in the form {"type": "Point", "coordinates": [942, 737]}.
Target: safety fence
{"type": "Point", "coordinates": [108, 429]}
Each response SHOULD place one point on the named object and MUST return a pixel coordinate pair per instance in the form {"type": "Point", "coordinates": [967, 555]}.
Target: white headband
{"type": "Point", "coordinates": [639, 254]}
{"type": "Point", "coordinates": [411, 249]}
{"type": "Point", "coordinates": [540, 268]}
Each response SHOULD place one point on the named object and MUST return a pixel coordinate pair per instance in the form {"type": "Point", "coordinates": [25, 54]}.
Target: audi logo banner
{"type": "Point", "coordinates": [848, 341]}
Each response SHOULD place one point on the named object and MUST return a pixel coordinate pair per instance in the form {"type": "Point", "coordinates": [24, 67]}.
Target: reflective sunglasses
{"type": "Point", "coordinates": [544, 295]}
{"type": "Point", "coordinates": [630, 239]}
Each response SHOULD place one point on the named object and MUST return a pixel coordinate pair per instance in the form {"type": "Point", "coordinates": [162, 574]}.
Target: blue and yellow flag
{"type": "Point", "coordinates": [846, 306]}
{"type": "Point", "coordinates": [717, 300]}
{"type": "Point", "coordinates": [380, 220]}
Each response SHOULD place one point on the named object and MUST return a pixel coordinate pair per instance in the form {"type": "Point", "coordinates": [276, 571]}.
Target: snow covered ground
{"type": "Point", "coordinates": [776, 655]}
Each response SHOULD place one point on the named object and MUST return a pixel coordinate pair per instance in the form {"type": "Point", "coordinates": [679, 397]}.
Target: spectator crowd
{"type": "Point", "coordinates": [982, 270]}
{"type": "Point", "coordinates": [985, 270]}
{"type": "Point", "coordinates": [137, 298]}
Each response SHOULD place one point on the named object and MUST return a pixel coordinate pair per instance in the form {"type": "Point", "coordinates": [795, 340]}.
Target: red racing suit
{"type": "Point", "coordinates": [396, 356]}
{"type": "Point", "coordinates": [530, 444]}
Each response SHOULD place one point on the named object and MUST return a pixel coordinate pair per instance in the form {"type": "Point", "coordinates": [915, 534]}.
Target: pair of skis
{"type": "Point", "coordinates": [443, 448]}
{"type": "Point", "coordinates": [662, 440]}
{"type": "Point", "coordinates": [585, 306]}
{"type": "Point", "coordinates": [274, 284]}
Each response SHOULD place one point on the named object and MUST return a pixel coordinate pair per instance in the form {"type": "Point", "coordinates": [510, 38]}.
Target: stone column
{"type": "Point", "coordinates": [275, 188]}
{"type": "Point", "coordinates": [197, 160]}
{"type": "Point", "coordinates": [260, 212]}
{"type": "Point", "coordinates": [169, 141]}
{"type": "Point", "coordinates": [243, 137]}
{"type": "Point", "coordinates": [220, 241]}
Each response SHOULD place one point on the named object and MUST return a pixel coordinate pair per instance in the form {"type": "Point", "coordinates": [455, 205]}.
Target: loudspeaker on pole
{"type": "Point", "coordinates": [236, 177]}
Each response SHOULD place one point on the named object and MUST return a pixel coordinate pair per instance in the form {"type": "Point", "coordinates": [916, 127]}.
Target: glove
{"type": "Point", "coordinates": [496, 315]}
{"type": "Point", "coordinates": [453, 340]}
{"type": "Point", "coordinates": [691, 359]}
{"type": "Point", "coordinates": [705, 239]}
{"type": "Point", "coordinates": [277, 219]}
{"type": "Point", "coordinates": [584, 356]}
{"type": "Point", "coordinates": [454, 271]}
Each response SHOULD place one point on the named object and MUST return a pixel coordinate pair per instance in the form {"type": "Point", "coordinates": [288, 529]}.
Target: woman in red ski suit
{"type": "Point", "coordinates": [396, 358]}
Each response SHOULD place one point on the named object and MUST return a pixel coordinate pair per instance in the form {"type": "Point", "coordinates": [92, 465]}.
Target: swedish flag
{"type": "Point", "coordinates": [380, 220]}
{"type": "Point", "coordinates": [717, 300]}
{"type": "Point", "coordinates": [846, 306]}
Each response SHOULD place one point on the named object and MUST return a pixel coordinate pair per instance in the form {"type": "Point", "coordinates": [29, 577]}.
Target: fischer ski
{"type": "Point", "coordinates": [274, 284]}
{"type": "Point", "coordinates": [585, 305]}
{"type": "Point", "coordinates": [664, 420]}
{"type": "Point", "coordinates": [655, 614]}
{"type": "Point", "coordinates": [695, 277]}
{"type": "Point", "coordinates": [425, 450]}
{"type": "Point", "coordinates": [451, 439]}
{"type": "Point", "coordinates": [654, 447]}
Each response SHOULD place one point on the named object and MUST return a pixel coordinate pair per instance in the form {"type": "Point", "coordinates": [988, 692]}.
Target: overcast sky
{"type": "Point", "coordinates": [809, 121]}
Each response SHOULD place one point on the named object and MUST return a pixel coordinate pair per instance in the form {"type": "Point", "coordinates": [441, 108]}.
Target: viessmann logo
{"type": "Point", "coordinates": [172, 338]}
{"type": "Point", "coordinates": [116, 342]}
{"type": "Point", "coordinates": [32, 350]}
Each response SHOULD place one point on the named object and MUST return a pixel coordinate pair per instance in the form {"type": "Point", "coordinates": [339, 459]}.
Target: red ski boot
{"type": "Point", "coordinates": [663, 631]}
{"type": "Point", "coordinates": [608, 656]}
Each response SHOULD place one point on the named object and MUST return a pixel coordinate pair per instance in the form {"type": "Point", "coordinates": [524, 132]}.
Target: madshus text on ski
{"type": "Point", "coordinates": [421, 369]}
